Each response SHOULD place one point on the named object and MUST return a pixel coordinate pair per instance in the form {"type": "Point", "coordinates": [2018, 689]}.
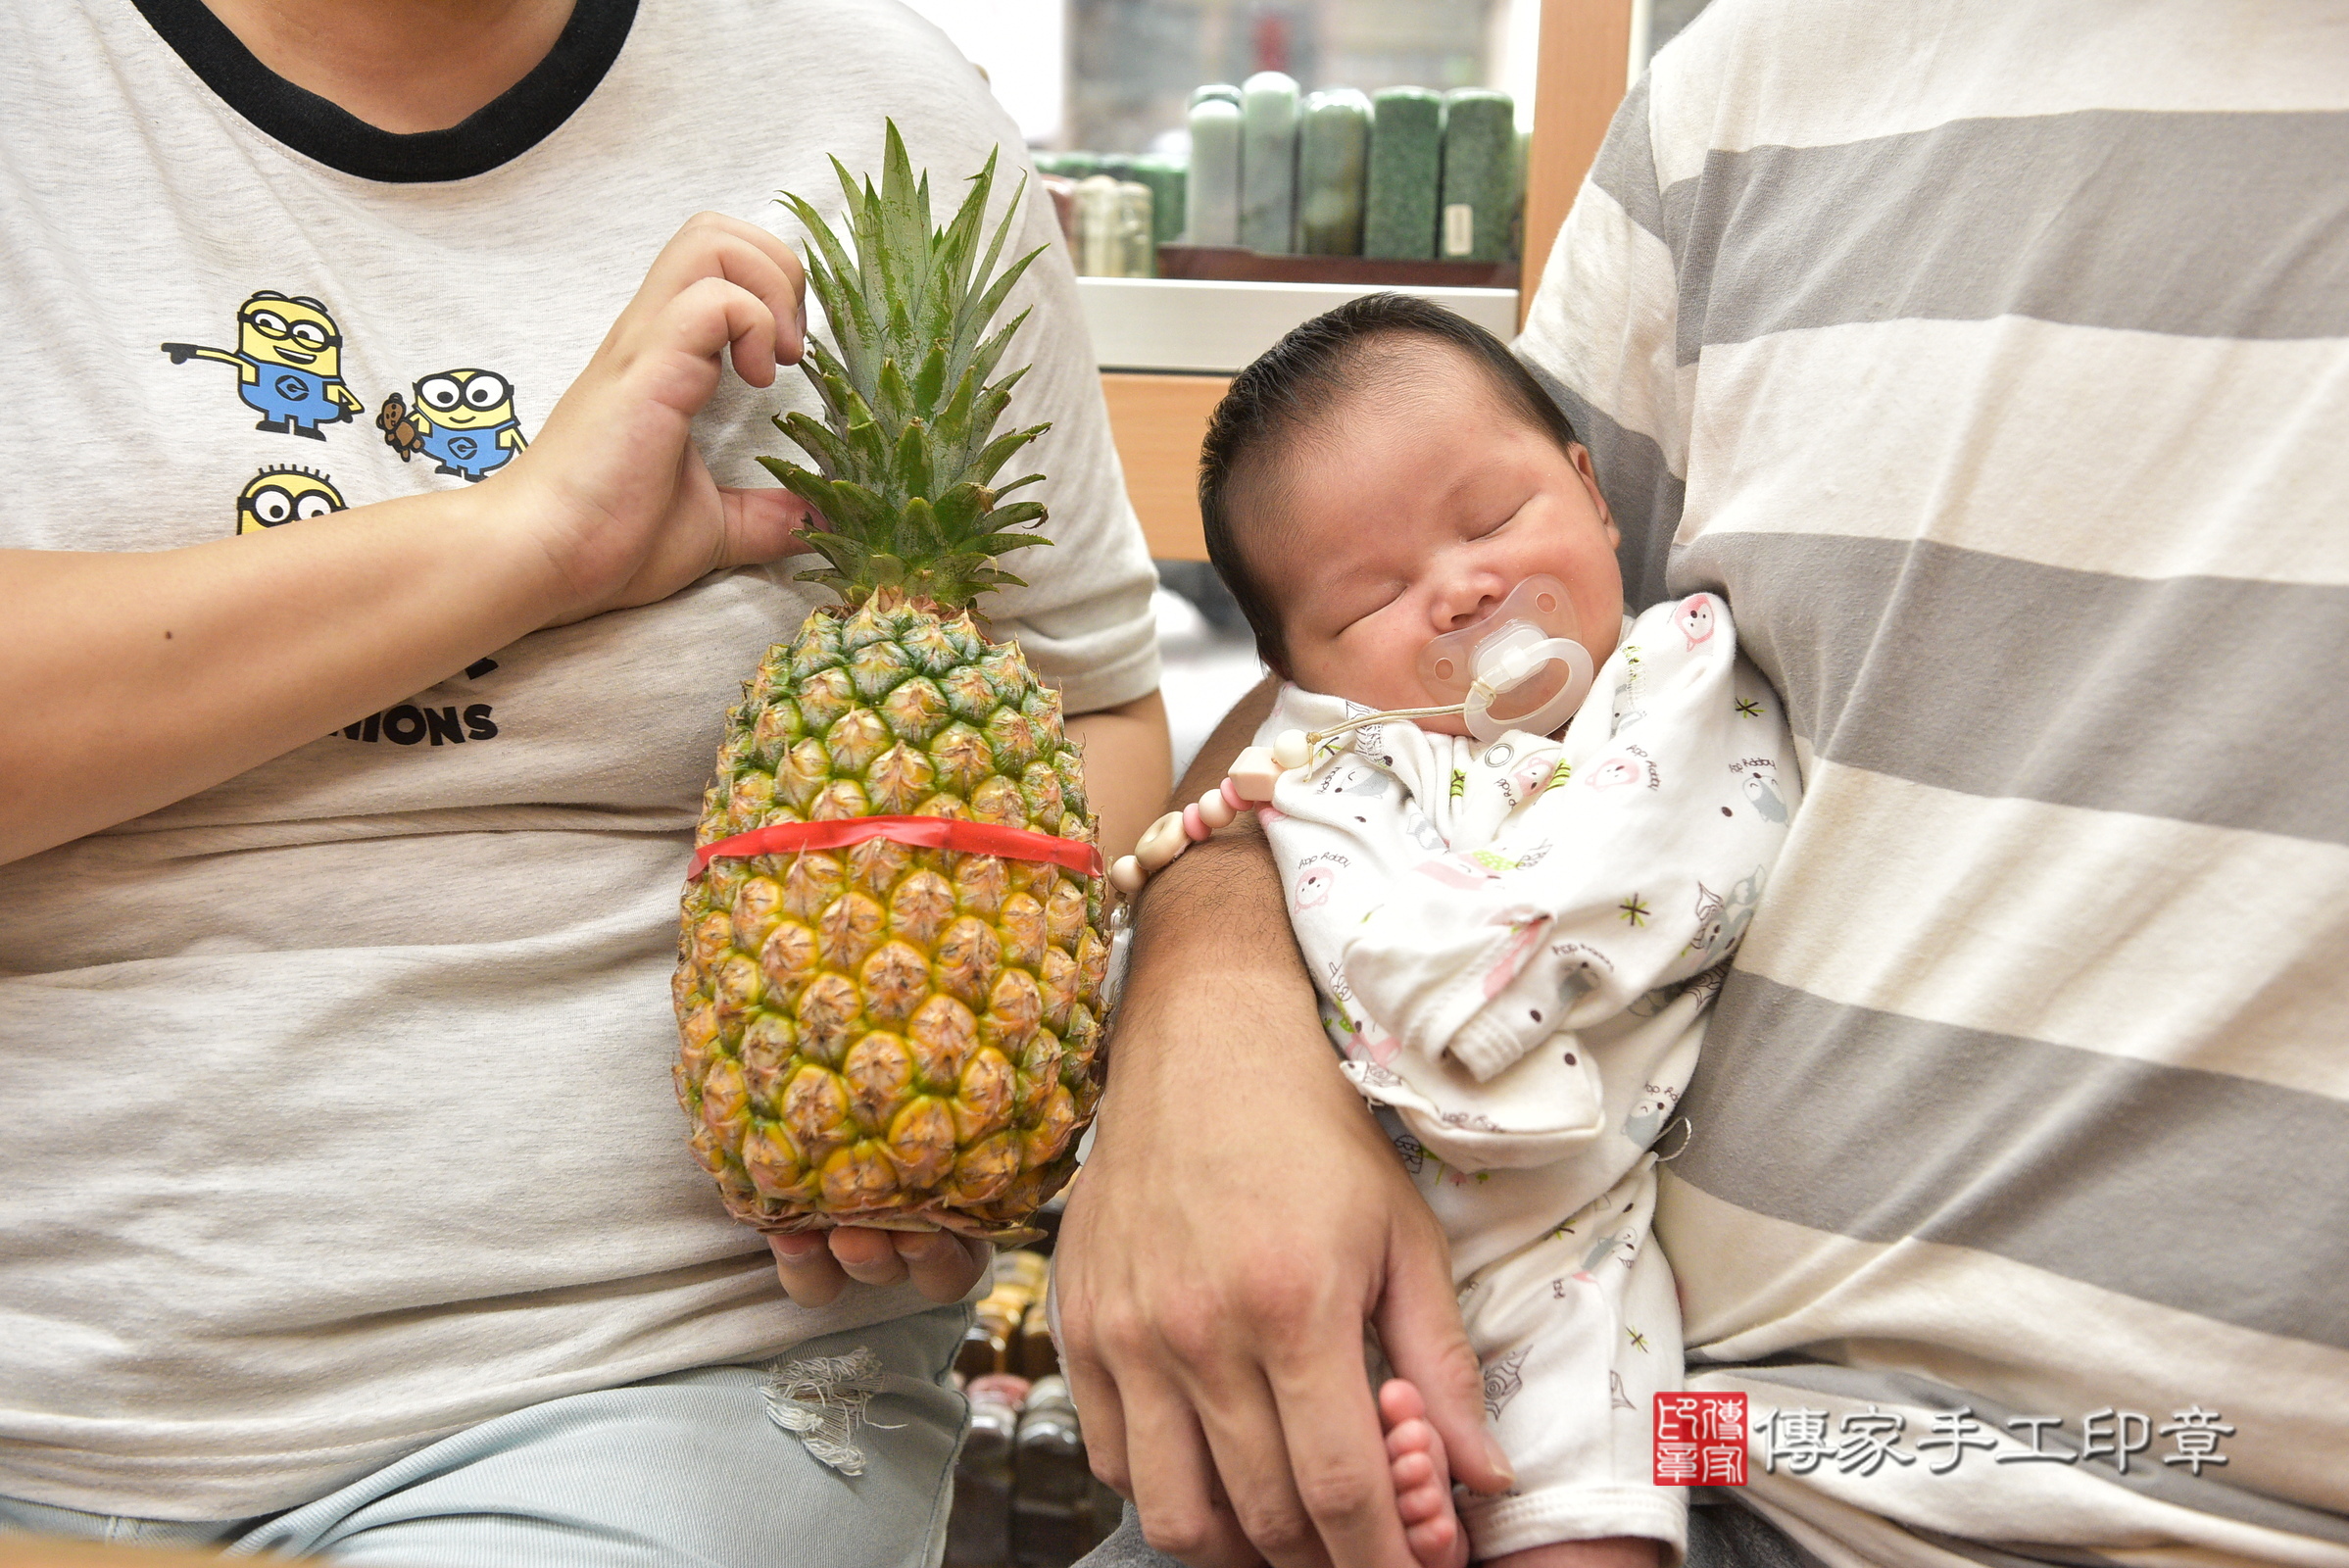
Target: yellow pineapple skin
{"type": "Point", "coordinates": [885, 1035]}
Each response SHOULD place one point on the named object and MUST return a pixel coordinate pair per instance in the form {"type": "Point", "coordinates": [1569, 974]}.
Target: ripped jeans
{"type": "Point", "coordinates": [690, 1468]}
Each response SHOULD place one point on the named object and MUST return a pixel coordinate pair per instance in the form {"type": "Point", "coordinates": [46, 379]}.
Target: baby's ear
{"type": "Point", "coordinates": [1580, 455]}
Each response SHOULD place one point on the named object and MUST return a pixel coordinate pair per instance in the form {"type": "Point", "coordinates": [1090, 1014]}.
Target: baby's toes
{"type": "Point", "coordinates": [1422, 1479]}
{"type": "Point", "coordinates": [1422, 1499]}
{"type": "Point", "coordinates": [1438, 1543]}
{"type": "Point", "coordinates": [1412, 1437]}
{"type": "Point", "coordinates": [1413, 1470]}
{"type": "Point", "coordinates": [1420, 1447]}
{"type": "Point", "coordinates": [1422, 1482]}
{"type": "Point", "coordinates": [1436, 1455]}
{"type": "Point", "coordinates": [1399, 1403]}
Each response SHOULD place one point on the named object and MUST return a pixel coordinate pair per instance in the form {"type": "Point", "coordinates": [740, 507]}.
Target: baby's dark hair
{"type": "Point", "coordinates": [1294, 385]}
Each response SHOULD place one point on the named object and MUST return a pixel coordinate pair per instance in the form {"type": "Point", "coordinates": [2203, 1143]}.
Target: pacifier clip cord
{"type": "Point", "coordinates": [1248, 786]}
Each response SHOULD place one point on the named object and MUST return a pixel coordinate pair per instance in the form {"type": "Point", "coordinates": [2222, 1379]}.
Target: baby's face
{"type": "Point", "coordinates": [1411, 514]}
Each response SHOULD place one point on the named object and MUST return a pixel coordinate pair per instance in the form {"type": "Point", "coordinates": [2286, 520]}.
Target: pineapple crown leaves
{"type": "Point", "coordinates": [906, 449]}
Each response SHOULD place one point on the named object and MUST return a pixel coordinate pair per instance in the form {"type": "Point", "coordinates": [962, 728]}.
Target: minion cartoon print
{"type": "Point", "coordinates": [463, 418]}
{"type": "Point", "coordinates": [289, 360]}
{"type": "Point", "coordinates": [282, 494]}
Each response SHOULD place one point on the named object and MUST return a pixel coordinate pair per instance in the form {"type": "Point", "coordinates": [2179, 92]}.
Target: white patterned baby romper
{"type": "Point", "coordinates": [1517, 946]}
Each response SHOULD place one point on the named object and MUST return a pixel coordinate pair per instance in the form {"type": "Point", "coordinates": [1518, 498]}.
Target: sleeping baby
{"type": "Point", "coordinates": [1521, 837]}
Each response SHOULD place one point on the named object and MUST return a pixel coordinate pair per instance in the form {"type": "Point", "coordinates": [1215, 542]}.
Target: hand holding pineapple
{"type": "Point", "coordinates": [629, 515]}
{"type": "Point", "coordinates": [613, 490]}
{"type": "Point", "coordinates": [815, 1266]}
{"type": "Point", "coordinates": [269, 640]}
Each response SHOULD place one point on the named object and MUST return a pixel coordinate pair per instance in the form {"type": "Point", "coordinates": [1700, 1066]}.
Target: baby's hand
{"type": "Point", "coordinates": [1422, 1479]}
{"type": "Point", "coordinates": [613, 488]}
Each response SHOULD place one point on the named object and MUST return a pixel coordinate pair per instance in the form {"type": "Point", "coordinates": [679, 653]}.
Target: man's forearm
{"type": "Point", "coordinates": [1219, 907]}
{"type": "Point", "coordinates": [1220, 904]}
{"type": "Point", "coordinates": [1214, 921]}
{"type": "Point", "coordinates": [1240, 1218]}
{"type": "Point", "coordinates": [1215, 916]}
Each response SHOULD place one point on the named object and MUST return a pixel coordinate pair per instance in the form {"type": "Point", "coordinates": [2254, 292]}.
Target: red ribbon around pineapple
{"type": "Point", "coordinates": [922, 832]}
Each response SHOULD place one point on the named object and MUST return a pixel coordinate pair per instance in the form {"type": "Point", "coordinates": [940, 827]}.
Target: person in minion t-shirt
{"type": "Point", "coordinates": [353, 764]}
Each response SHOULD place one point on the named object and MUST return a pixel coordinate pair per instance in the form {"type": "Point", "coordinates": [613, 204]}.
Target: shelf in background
{"type": "Point", "coordinates": [1185, 324]}
{"type": "Point", "coordinates": [1233, 264]}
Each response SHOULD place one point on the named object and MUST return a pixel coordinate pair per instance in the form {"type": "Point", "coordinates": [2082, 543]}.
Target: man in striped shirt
{"type": "Point", "coordinates": [1993, 362]}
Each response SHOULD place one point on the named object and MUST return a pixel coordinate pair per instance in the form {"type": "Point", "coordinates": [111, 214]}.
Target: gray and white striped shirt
{"type": "Point", "coordinates": [1993, 361]}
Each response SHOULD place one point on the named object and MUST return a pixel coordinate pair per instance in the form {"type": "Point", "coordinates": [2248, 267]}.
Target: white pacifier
{"type": "Point", "coordinates": [1522, 667]}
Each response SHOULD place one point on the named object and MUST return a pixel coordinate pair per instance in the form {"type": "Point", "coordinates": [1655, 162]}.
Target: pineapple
{"type": "Point", "coordinates": [883, 1034]}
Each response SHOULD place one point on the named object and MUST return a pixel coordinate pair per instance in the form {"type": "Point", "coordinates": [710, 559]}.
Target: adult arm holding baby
{"type": "Point", "coordinates": [1270, 1445]}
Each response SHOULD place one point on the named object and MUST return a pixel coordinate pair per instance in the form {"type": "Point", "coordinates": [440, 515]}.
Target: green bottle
{"type": "Point", "coordinates": [1480, 175]}
{"type": "Point", "coordinates": [1406, 173]}
{"type": "Point", "coordinates": [1333, 154]}
{"type": "Point", "coordinates": [1165, 177]}
{"type": "Point", "coordinates": [1211, 196]}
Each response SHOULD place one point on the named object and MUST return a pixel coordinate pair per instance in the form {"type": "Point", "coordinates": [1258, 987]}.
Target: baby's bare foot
{"type": "Point", "coordinates": [1422, 1479]}
{"type": "Point", "coordinates": [1614, 1551]}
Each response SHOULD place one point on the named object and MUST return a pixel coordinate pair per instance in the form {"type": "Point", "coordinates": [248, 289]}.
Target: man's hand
{"type": "Point", "coordinates": [1240, 1218]}
{"type": "Point", "coordinates": [613, 490]}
